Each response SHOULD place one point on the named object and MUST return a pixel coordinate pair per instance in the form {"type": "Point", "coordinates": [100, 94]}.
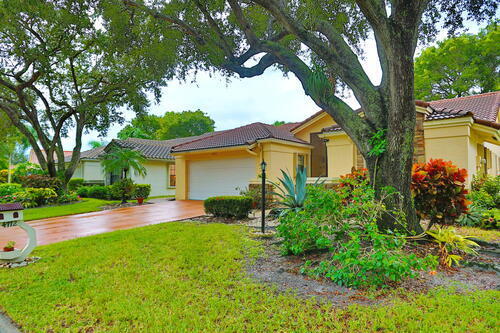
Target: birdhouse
{"type": "Point", "coordinates": [11, 213]}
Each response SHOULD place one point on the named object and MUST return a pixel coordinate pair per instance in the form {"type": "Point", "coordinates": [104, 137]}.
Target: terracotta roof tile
{"type": "Point", "coordinates": [243, 135]}
{"type": "Point", "coordinates": [482, 106]}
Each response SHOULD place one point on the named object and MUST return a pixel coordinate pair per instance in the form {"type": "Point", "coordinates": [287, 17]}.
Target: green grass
{"type": "Point", "coordinates": [487, 235]}
{"type": "Point", "coordinates": [84, 206]}
{"type": "Point", "coordinates": [179, 277]}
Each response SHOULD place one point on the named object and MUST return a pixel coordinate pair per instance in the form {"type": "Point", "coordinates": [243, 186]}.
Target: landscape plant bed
{"type": "Point", "coordinates": [284, 273]}
{"type": "Point", "coordinates": [124, 205]}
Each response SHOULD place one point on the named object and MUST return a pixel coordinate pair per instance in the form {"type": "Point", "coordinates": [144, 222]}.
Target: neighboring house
{"type": "Point", "coordinates": [34, 159]}
{"type": "Point", "coordinates": [464, 130]}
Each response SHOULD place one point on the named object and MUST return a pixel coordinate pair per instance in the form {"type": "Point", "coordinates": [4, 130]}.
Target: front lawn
{"type": "Point", "coordinates": [190, 277]}
{"type": "Point", "coordinates": [85, 206]}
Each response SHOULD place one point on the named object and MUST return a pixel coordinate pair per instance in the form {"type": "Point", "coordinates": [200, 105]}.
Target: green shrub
{"type": "Point", "coordinates": [67, 197]}
{"type": "Point", "coordinates": [9, 188]}
{"type": "Point", "coordinates": [75, 183]}
{"type": "Point", "coordinates": [123, 189]}
{"type": "Point", "coordinates": [26, 169]}
{"type": "Point", "coordinates": [316, 225]}
{"type": "Point", "coordinates": [256, 195]}
{"type": "Point", "coordinates": [42, 181]}
{"type": "Point", "coordinates": [228, 206]}
{"type": "Point", "coordinates": [491, 219]}
{"type": "Point", "coordinates": [472, 218]}
{"type": "Point", "coordinates": [439, 191]}
{"type": "Point", "coordinates": [97, 192]}
{"type": "Point", "coordinates": [141, 191]}
{"type": "Point", "coordinates": [481, 199]}
{"type": "Point", "coordinates": [4, 176]}
{"type": "Point", "coordinates": [83, 192]}
{"type": "Point", "coordinates": [370, 260]}
{"type": "Point", "coordinates": [34, 197]}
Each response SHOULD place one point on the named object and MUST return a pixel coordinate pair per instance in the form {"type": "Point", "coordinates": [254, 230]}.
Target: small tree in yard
{"type": "Point", "coordinates": [122, 160]}
{"type": "Point", "coordinates": [320, 43]}
{"type": "Point", "coordinates": [60, 71]}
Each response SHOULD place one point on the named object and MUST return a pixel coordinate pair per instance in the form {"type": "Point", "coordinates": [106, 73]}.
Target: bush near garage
{"type": "Point", "coordinates": [228, 206]}
{"type": "Point", "coordinates": [122, 190]}
{"type": "Point", "coordinates": [97, 192]}
{"type": "Point", "coordinates": [141, 191]}
{"type": "Point", "coordinates": [75, 183]}
{"type": "Point", "coordinates": [83, 192]}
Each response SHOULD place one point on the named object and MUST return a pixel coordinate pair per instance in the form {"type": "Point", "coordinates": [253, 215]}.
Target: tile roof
{"type": "Point", "coordinates": [11, 206]}
{"type": "Point", "coordinates": [289, 126]}
{"type": "Point", "coordinates": [239, 136]}
{"type": "Point", "coordinates": [482, 106]}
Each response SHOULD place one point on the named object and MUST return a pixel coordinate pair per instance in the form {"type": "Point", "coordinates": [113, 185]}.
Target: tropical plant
{"type": "Point", "coordinates": [42, 181]}
{"type": "Point", "coordinates": [439, 191]}
{"type": "Point", "coordinates": [9, 188]}
{"type": "Point", "coordinates": [292, 193]}
{"type": "Point", "coordinates": [121, 160]}
{"type": "Point", "coordinates": [481, 198]}
{"type": "Point", "coordinates": [491, 219]}
{"type": "Point", "coordinates": [34, 197]}
{"type": "Point", "coordinates": [449, 242]}
{"type": "Point", "coordinates": [471, 218]}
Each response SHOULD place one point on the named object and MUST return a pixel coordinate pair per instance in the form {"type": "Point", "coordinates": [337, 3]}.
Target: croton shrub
{"type": "Point", "coordinates": [439, 191]}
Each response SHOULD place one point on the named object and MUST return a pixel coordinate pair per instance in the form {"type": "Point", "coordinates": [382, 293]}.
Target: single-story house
{"type": "Point", "coordinates": [465, 130]}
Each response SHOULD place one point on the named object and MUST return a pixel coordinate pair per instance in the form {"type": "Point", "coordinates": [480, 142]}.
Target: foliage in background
{"type": "Point", "coordinates": [228, 206]}
{"type": "Point", "coordinates": [32, 197]}
{"type": "Point", "coordinates": [459, 66]}
{"type": "Point", "coordinates": [451, 245]}
{"type": "Point", "coordinates": [256, 195]}
{"type": "Point", "coordinates": [141, 191]}
{"type": "Point", "coordinates": [9, 188]}
{"type": "Point", "coordinates": [122, 160]}
{"type": "Point", "coordinates": [62, 72]}
{"type": "Point", "coordinates": [67, 198]}
{"type": "Point", "coordinates": [171, 125]}
{"type": "Point", "coordinates": [439, 191]}
{"type": "Point", "coordinates": [26, 169]}
{"type": "Point", "coordinates": [42, 181]}
{"type": "Point", "coordinates": [490, 219]}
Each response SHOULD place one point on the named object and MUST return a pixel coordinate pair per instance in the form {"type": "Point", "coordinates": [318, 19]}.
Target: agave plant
{"type": "Point", "coordinates": [449, 241]}
{"type": "Point", "coordinates": [292, 193]}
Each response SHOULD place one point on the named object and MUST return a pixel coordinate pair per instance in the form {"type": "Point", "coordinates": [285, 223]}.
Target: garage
{"type": "Point", "coordinates": [210, 178]}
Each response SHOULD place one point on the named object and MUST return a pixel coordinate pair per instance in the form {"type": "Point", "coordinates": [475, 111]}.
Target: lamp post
{"type": "Point", "coordinates": [263, 168]}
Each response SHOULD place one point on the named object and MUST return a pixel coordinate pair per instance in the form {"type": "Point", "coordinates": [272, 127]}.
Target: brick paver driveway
{"type": "Point", "coordinates": [57, 229]}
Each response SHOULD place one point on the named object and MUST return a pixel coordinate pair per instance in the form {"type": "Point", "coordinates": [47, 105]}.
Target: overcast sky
{"type": "Point", "coordinates": [265, 98]}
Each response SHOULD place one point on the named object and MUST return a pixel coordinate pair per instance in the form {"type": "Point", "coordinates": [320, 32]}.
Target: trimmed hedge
{"type": "Point", "coordinates": [97, 192]}
{"type": "Point", "coordinates": [75, 183]}
{"type": "Point", "coordinates": [141, 191]}
{"type": "Point", "coordinates": [228, 206]}
{"type": "Point", "coordinates": [42, 181]}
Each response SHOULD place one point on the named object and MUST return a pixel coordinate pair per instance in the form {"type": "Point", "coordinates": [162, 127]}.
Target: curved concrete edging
{"type": "Point", "coordinates": [7, 325]}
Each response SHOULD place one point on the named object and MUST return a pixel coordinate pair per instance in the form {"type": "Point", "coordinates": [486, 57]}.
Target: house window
{"type": "Point", "coordinates": [15, 215]}
{"type": "Point", "coordinates": [171, 175]}
{"type": "Point", "coordinates": [1, 216]}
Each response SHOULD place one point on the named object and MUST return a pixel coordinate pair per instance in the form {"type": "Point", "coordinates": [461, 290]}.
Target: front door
{"type": "Point", "coordinates": [318, 156]}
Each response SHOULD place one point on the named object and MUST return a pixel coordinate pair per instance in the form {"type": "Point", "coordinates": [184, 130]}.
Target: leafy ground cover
{"type": "Point", "coordinates": [85, 206]}
{"type": "Point", "coordinates": [191, 277]}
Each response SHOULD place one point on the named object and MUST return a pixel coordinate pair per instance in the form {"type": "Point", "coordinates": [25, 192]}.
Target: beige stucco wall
{"type": "Point", "coordinates": [157, 177]}
{"type": "Point", "coordinates": [92, 171]}
{"type": "Point", "coordinates": [277, 154]}
{"type": "Point", "coordinates": [341, 154]}
{"type": "Point", "coordinates": [315, 125]}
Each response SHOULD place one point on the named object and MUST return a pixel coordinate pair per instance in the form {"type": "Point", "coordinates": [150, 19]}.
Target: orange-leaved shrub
{"type": "Point", "coordinates": [439, 191]}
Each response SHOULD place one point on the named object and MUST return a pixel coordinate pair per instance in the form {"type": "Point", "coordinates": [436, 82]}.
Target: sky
{"type": "Point", "coordinates": [265, 98]}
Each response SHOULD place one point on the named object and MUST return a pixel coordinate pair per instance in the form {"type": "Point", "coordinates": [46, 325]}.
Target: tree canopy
{"type": "Point", "coordinates": [60, 70]}
{"type": "Point", "coordinates": [320, 43]}
{"type": "Point", "coordinates": [459, 66]}
{"type": "Point", "coordinates": [169, 126]}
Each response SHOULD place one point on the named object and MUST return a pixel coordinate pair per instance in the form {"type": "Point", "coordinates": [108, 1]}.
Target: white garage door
{"type": "Point", "coordinates": [219, 177]}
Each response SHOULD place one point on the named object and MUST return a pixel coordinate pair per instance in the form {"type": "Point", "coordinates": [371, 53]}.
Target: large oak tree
{"type": "Point", "coordinates": [60, 72]}
{"type": "Point", "coordinates": [320, 42]}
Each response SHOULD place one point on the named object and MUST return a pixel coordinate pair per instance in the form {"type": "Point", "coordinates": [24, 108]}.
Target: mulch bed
{"type": "Point", "coordinates": [120, 205]}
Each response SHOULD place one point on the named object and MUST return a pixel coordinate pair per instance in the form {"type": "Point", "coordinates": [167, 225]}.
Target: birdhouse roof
{"type": "Point", "coordinates": [10, 206]}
